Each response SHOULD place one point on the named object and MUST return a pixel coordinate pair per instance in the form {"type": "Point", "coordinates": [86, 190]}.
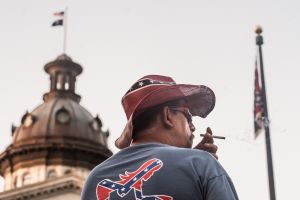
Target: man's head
{"type": "Point", "coordinates": [155, 92]}
{"type": "Point", "coordinates": [168, 123]}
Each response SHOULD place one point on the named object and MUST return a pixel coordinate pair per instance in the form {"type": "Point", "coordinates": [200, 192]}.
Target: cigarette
{"type": "Point", "coordinates": [215, 136]}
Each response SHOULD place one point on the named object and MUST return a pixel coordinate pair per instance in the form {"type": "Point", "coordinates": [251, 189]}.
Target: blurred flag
{"type": "Point", "coordinates": [60, 21]}
{"type": "Point", "coordinates": [59, 13]}
{"type": "Point", "coordinates": [258, 105]}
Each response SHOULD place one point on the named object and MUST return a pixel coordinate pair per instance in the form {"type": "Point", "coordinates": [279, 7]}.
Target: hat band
{"type": "Point", "coordinates": [147, 82]}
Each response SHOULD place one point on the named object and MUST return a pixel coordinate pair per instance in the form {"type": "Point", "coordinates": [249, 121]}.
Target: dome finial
{"type": "Point", "coordinates": [258, 29]}
{"type": "Point", "coordinates": [64, 57]}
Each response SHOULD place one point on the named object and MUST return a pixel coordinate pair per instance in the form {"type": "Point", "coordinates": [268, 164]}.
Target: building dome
{"type": "Point", "coordinates": [59, 132]}
{"type": "Point", "coordinates": [61, 122]}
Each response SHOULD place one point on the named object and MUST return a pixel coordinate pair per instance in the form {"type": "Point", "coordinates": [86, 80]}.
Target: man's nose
{"type": "Point", "coordinates": [192, 127]}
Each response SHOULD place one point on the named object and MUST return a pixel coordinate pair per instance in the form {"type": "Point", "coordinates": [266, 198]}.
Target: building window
{"type": "Point", "coordinates": [67, 82]}
{"type": "Point", "coordinates": [27, 179]}
{"type": "Point", "coordinates": [68, 171]}
{"type": "Point", "coordinates": [63, 116]}
{"type": "Point", "coordinates": [96, 124]}
{"type": "Point", "coordinates": [28, 119]}
{"type": "Point", "coordinates": [52, 174]}
{"type": "Point", "coordinates": [60, 81]}
{"type": "Point", "coordinates": [15, 182]}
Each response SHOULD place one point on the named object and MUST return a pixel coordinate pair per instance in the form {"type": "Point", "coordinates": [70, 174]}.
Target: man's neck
{"type": "Point", "coordinates": [148, 136]}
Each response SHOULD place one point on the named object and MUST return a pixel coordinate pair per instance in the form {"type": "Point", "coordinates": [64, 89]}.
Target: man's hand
{"type": "Point", "coordinates": [207, 143]}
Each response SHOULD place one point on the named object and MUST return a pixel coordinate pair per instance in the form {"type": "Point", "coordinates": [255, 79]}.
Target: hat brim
{"type": "Point", "coordinates": [200, 100]}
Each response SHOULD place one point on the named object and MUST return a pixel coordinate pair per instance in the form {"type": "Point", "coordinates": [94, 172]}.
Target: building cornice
{"type": "Point", "coordinates": [69, 183]}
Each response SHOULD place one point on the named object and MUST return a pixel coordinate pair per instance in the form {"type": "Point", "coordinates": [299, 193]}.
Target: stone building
{"type": "Point", "coordinates": [56, 144]}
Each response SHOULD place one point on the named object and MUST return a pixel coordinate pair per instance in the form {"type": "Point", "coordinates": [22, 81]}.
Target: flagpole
{"type": "Point", "coordinates": [65, 30]}
{"type": "Point", "coordinates": [259, 43]}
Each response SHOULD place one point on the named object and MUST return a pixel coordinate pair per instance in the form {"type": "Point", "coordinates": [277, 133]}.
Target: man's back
{"type": "Point", "coordinates": [158, 171]}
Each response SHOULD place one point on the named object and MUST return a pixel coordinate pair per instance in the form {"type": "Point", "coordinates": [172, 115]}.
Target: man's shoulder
{"type": "Point", "coordinates": [174, 152]}
{"type": "Point", "coordinates": [181, 150]}
{"type": "Point", "coordinates": [168, 154]}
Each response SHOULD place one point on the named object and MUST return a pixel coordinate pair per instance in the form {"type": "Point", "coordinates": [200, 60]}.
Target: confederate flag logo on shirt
{"type": "Point", "coordinates": [132, 181]}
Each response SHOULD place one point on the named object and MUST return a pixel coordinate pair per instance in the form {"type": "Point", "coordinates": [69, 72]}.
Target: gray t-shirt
{"type": "Point", "coordinates": [159, 171]}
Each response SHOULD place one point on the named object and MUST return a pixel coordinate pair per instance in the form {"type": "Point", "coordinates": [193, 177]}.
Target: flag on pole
{"type": "Point", "coordinates": [59, 22]}
{"type": "Point", "coordinates": [62, 21]}
{"type": "Point", "coordinates": [258, 105]}
{"type": "Point", "coordinates": [61, 14]}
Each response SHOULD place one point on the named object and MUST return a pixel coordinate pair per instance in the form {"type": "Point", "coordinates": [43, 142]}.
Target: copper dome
{"type": "Point", "coordinates": [60, 121]}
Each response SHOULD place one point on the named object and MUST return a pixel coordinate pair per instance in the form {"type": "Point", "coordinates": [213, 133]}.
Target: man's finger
{"type": "Point", "coordinates": [208, 130]}
{"type": "Point", "coordinates": [207, 138]}
{"type": "Point", "coordinates": [211, 148]}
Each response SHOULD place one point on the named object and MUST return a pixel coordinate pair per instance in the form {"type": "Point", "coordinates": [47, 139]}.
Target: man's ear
{"type": "Point", "coordinates": [167, 117]}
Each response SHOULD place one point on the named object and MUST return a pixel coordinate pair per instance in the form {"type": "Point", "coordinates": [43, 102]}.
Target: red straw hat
{"type": "Point", "coordinates": [153, 90]}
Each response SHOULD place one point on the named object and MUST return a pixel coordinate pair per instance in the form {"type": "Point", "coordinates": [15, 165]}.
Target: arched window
{"type": "Point", "coordinates": [63, 116]}
{"type": "Point", "coordinates": [60, 81]}
{"type": "Point", "coordinates": [68, 171]}
{"type": "Point", "coordinates": [67, 82]}
{"type": "Point", "coordinates": [27, 179]}
{"type": "Point", "coordinates": [15, 182]}
{"type": "Point", "coordinates": [52, 174]}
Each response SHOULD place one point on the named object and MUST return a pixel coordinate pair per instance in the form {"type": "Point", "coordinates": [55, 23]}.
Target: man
{"type": "Point", "coordinates": [156, 160]}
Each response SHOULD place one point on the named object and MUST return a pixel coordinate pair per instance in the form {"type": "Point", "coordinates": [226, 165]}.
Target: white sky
{"type": "Point", "coordinates": [194, 41]}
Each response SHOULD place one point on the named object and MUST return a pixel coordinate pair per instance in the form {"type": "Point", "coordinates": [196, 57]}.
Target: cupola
{"type": "Point", "coordinates": [57, 138]}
